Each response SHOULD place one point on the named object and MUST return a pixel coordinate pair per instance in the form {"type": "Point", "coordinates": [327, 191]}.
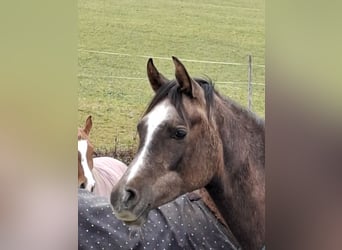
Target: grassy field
{"type": "Point", "coordinates": [113, 87]}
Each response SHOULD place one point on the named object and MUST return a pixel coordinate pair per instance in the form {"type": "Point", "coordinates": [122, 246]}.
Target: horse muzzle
{"type": "Point", "coordinates": [128, 206]}
{"type": "Point", "coordinates": [87, 186]}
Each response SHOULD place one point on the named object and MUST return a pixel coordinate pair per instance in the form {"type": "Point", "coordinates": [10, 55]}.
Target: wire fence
{"type": "Point", "coordinates": [167, 58]}
{"type": "Point", "coordinates": [145, 78]}
{"type": "Point", "coordinates": [249, 65]}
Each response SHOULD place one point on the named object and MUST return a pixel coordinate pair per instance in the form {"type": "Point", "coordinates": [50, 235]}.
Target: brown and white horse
{"type": "Point", "coordinates": [99, 174]}
{"type": "Point", "coordinates": [85, 157]}
{"type": "Point", "coordinates": [192, 137]}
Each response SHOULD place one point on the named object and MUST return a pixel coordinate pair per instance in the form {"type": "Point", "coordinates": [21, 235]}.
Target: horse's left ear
{"type": "Point", "coordinates": [88, 125]}
{"type": "Point", "coordinates": [187, 84]}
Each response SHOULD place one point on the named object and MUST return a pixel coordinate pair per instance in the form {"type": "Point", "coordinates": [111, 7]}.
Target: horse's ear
{"type": "Point", "coordinates": [156, 78]}
{"type": "Point", "coordinates": [188, 86]}
{"type": "Point", "coordinates": [88, 125]}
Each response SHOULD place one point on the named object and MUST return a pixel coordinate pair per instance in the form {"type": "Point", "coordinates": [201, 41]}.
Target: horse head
{"type": "Point", "coordinates": [179, 148]}
{"type": "Point", "coordinates": [85, 157]}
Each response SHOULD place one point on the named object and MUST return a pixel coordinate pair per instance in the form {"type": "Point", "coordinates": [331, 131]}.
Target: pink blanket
{"type": "Point", "coordinates": [107, 172]}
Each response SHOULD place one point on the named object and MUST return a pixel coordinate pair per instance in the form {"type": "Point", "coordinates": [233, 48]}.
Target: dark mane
{"type": "Point", "coordinates": [243, 111]}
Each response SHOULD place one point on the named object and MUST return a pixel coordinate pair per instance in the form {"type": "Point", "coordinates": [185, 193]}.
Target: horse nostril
{"type": "Point", "coordinates": [82, 185]}
{"type": "Point", "coordinates": [92, 189]}
{"type": "Point", "coordinates": [130, 196]}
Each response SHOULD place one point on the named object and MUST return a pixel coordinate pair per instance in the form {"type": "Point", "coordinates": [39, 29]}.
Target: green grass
{"type": "Point", "coordinates": [202, 30]}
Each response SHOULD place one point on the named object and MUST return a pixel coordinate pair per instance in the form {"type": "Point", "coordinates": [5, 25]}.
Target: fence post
{"type": "Point", "coordinates": [250, 82]}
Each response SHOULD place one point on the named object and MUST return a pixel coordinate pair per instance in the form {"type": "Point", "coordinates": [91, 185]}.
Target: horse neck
{"type": "Point", "coordinates": [238, 189]}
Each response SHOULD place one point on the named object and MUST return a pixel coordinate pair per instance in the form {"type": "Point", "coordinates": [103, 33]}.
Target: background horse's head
{"type": "Point", "coordinates": [179, 149]}
{"type": "Point", "coordinates": [85, 157]}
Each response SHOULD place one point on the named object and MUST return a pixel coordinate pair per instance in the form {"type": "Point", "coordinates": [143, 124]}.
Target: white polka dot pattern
{"type": "Point", "coordinates": [181, 224]}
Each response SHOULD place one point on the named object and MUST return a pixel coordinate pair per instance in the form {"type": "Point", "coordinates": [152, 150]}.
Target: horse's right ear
{"type": "Point", "coordinates": [156, 79]}
{"type": "Point", "coordinates": [88, 125]}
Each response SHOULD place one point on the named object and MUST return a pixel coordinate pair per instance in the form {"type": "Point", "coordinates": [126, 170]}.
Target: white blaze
{"type": "Point", "coordinates": [82, 148]}
{"type": "Point", "coordinates": [156, 117]}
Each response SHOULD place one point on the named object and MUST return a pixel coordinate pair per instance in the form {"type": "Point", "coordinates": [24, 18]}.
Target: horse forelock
{"type": "Point", "coordinates": [172, 91]}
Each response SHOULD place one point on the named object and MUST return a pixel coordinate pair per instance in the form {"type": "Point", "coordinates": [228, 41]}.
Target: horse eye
{"type": "Point", "coordinates": [179, 134]}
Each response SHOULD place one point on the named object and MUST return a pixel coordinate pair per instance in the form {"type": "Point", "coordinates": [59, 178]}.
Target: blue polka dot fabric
{"type": "Point", "coordinates": [184, 223]}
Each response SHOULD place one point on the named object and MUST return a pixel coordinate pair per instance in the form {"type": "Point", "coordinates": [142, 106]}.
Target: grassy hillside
{"type": "Point", "coordinates": [113, 86]}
